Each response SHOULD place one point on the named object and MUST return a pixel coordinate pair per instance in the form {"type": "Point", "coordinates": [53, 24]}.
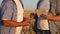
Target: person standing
{"type": "Point", "coordinates": [11, 17]}
{"type": "Point", "coordinates": [54, 17]}
{"type": "Point", "coordinates": [42, 23]}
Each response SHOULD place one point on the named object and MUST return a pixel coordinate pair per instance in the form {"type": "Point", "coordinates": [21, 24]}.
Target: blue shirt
{"type": "Point", "coordinates": [8, 11]}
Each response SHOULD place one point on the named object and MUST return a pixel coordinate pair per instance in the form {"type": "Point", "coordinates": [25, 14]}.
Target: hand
{"type": "Point", "coordinates": [47, 16]}
{"type": "Point", "coordinates": [32, 15]}
{"type": "Point", "coordinates": [26, 22]}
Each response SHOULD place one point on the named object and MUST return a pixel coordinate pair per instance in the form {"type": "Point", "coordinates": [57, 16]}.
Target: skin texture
{"type": "Point", "coordinates": [10, 23]}
{"type": "Point", "coordinates": [50, 17]}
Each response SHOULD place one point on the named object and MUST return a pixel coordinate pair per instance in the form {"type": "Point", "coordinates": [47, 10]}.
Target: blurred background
{"type": "Point", "coordinates": [30, 7]}
{"type": "Point", "coordinates": [28, 4]}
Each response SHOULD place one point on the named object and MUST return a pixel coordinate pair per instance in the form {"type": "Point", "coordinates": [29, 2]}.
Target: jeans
{"type": "Point", "coordinates": [43, 32]}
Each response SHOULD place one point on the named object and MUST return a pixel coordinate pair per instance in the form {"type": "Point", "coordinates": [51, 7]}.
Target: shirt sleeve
{"type": "Point", "coordinates": [7, 15]}
{"type": "Point", "coordinates": [43, 4]}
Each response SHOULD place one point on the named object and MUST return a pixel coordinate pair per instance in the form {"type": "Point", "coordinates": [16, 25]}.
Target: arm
{"type": "Point", "coordinates": [14, 23]}
{"type": "Point", "coordinates": [55, 18]}
{"type": "Point", "coordinates": [6, 18]}
{"type": "Point", "coordinates": [50, 17]}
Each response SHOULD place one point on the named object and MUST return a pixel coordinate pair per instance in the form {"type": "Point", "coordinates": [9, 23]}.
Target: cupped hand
{"type": "Point", "coordinates": [26, 22]}
{"type": "Point", "coordinates": [47, 16]}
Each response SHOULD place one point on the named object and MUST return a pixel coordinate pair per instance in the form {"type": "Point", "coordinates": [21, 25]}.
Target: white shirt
{"type": "Point", "coordinates": [19, 16]}
{"type": "Point", "coordinates": [42, 23]}
{"type": "Point", "coordinates": [44, 4]}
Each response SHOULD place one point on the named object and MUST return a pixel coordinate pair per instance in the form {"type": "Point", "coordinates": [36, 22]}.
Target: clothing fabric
{"type": "Point", "coordinates": [43, 4]}
{"type": "Point", "coordinates": [19, 16]}
{"type": "Point", "coordinates": [43, 32]}
{"type": "Point", "coordinates": [55, 11]}
{"type": "Point", "coordinates": [42, 23]}
{"type": "Point", "coordinates": [9, 11]}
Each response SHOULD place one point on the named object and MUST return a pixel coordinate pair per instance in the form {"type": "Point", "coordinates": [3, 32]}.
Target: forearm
{"type": "Point", "coordinates": [11, 23]}
{"type": "Point", "coordinates": [55, 18]}
{"type": "Point", "coordinates": [50, 17]}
